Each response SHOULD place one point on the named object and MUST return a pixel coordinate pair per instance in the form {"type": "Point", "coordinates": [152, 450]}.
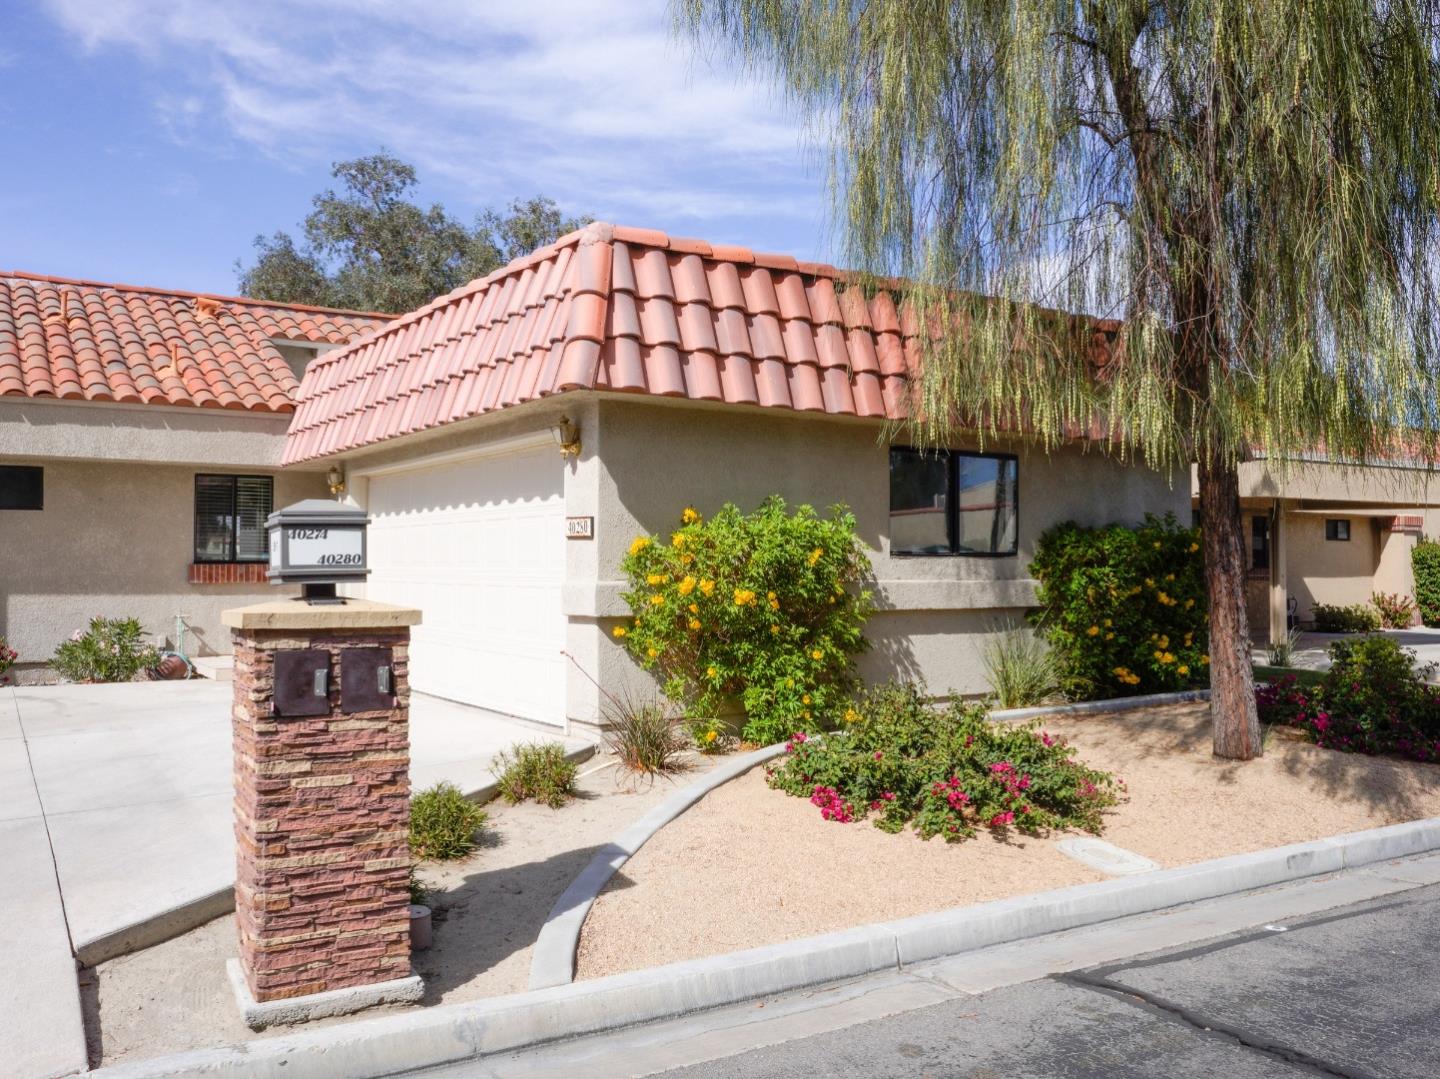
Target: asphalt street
{"type": "Point", "coordinates": [1353, 991]}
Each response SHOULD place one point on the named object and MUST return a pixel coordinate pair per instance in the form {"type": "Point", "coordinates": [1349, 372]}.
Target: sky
{"type": "Point", "coordinates": [150, 142]}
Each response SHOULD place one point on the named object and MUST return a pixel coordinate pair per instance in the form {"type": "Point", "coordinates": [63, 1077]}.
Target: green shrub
{"type": "Point", "coordinates": [644, 737]}
{"type": "Point", "coordinates": [947, 771]}
{"type": "Point", "coordinates": [419, 890]}
{"type": "Point", "coordinates": [536, 770]}
{"type": "Point", "coordinates": [443, 823]}
{"type": "Point", "coordinates": [1425, 561]}
{"type": "Point", "coordinates": [111, 650]}
{"type": "Point", "coordinates": [1373, 699]}
{"type": "Point", "coordinates": [1020, 669]}
{"type": "Point", "coordinates": [1123, 608]}
{"type": "Point", "coordinates": [709, 733]}
{"type": "Point", "coordinates": [8, 656]}
{"type": "Point", "coordinates": [1355, 618]}
{"type": "Point", "coordinates": [763, 608]}
{"type": "Point", "coordinates": [1396, 611]}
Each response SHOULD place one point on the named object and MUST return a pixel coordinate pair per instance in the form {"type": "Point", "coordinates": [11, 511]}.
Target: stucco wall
{"type": "Point", "coordinates": [1330, 571]}
{"type": "Point", "coordinates": [935, 612]}
{"type": "Point", "coordinates": [117, 540]}
{"type": "Point", "coordinates": [642, 461]}
{"type": "Point", "coordinates": [87, 430]}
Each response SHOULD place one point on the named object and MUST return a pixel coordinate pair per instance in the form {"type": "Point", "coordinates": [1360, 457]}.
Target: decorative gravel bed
{"type": "Point", "coordinates": [748, 866]}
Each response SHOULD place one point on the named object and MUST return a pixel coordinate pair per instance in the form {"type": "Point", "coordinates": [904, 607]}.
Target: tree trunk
{"type": "Point", "coordinates": [1232, 679]}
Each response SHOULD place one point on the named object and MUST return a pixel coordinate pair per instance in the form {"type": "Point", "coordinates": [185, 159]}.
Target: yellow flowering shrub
{"type": "Point", "coordinates": [762, 609]}
{"type": "Point", "coordinates": [1124, 608]}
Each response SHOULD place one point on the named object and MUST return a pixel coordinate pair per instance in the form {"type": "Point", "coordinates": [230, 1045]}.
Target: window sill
{"type": "Point", "coordinates": [229, 573]}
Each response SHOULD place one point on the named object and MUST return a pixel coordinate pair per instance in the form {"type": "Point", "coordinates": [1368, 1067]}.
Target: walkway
{"type": "Point", "coordinates": [130, 786]}
{"type": "Point", "coordinates": [1312, 650]}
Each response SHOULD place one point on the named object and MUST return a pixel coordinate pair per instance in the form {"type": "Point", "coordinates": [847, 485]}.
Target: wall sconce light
{"type": "Point", "coordinates": [567, 437]}
{"type": "Point", "coordinates": [336, 479]}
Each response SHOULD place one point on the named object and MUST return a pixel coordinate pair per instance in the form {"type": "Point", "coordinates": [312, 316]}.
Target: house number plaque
{"type": "Point", "coordinates": [318, 544]}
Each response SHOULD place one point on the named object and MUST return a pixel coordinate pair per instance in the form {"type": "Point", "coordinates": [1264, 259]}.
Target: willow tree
{"type": "Point", "coordinates": [1248, 189]}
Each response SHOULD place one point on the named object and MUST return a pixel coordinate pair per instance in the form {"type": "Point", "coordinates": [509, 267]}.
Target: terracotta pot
{"type": "Point", "coordinates": [421, 936]}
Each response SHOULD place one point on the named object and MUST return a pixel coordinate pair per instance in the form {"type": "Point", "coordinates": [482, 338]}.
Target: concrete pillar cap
{"type": "Point", "coordinates": [296, 614]}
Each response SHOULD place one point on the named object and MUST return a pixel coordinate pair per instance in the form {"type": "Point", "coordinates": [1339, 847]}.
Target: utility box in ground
{"type": "Point", "coordinates": [322, 808]}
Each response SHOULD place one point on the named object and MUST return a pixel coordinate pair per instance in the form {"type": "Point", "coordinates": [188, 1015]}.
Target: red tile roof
{"type": "Point", "coordinates": [90, 341]}
{"type": "Point", "coordinates": [620, 309]}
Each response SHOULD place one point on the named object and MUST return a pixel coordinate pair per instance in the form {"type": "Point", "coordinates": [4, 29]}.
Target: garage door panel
{"type": "Point", "coordinates": [479, 547]}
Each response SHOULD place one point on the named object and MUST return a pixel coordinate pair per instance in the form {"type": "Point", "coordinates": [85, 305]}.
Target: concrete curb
{"type": "Point", "coordinates": [193, 913]}
{"type": "Point", "coordinates": [1113, 704]}
{"type": "Point", "coordinates": [552, 962]}
{"type": "Point", "coordinates": [157, 928]}
{"type": "Point", "coordinates": [448, 1034]}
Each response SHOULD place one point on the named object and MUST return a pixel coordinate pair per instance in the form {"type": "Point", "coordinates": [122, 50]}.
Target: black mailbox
{"type": "Point", "coordinates": [367, 680]}
{"type": "Point", "coordinates": [302, 682]}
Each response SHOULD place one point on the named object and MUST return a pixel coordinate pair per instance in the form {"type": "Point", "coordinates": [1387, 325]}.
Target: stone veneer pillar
{"type": "Point", "coordinates": [322, 816]}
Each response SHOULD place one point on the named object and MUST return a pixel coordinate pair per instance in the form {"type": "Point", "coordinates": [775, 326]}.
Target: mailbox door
{"type": "Point", "coordinates": [302, 682]}
{"type": "Point", "coordinates": [367, 680]}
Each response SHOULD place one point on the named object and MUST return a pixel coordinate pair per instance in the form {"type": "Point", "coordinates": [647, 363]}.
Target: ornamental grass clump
{"type": "Point", "coordinates": [948, 771]}
{"type": "Point", "coordinates": [764, 609]}
{"type": "Point", "coordinates": [535, 770]}
{"type": "Point", "coordinates": [443, 825]}
{"type": "Point", "coordinates": [1020, 669]}
{"type": "Point", "coordinates": [1124, 608]}
{"type": "Point", "coordinates": [645, 738]}
{"type": "Point", "coordinates": [109, 650]}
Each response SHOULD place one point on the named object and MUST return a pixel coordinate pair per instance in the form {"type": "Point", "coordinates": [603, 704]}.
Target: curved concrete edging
{"type": "Point", "coordinates": [552, 962]}
{"type": "Point", "coordinates": [193, 913]}
{"type": "Point", "coordinates": [448, 1034]}
{"type": "Point", "coordinates": [1112, 704]}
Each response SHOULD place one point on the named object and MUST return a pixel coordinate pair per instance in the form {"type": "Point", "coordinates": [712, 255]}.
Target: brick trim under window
{"type": "Point", "coordinates": [229, 573]}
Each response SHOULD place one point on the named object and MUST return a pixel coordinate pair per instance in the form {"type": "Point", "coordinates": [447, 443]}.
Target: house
{"type": "Point", "coordinates": [511, 438]}
{"type": "Point", "coordinates": [1322, 532]}
{"type": "Point", "coordinates": [141, 432]}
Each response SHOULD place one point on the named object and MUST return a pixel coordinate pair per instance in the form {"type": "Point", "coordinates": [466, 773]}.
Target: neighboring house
{"type": "Point", "coordinates": [1321, 532]}
{"type": "Point", "coordinates": [140, 439]}
{"type": "Point", "coordinates": [689, 374]}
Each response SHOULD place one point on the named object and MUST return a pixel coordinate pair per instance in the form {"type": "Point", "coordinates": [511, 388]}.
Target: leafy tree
{"type": "Point", "coordinates": [370, 247]}
{"type": "Point", "coordinates": [1250, 188]}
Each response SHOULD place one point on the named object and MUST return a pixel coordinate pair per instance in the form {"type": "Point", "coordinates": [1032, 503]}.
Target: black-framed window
{"type": "Point", "coordinates": [1259, 542]}
{"type": "Point", "coordinates": [1337, 528]}
{"type": "Point", "coordinates": [954, 502]}
{"type": "Point", "coordinates": [22, 487]}
{"type": "Point", "coordinates": [230, 514]}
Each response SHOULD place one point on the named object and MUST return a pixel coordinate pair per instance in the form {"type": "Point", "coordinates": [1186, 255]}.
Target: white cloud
{"type": "Point", "coordinates": [593, 103]}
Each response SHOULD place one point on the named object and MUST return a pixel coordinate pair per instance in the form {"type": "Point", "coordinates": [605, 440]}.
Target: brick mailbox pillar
{"type": "Point", "coordinates": [322, 808]}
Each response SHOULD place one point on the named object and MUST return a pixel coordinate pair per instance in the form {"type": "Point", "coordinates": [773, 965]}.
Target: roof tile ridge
{"type": "Point", "coordinates": [191, 294]}
{"type": "Point", "coordinates": [770, 260]}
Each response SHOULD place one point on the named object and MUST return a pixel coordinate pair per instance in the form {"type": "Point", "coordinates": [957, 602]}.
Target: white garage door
{"type": "Point", "coordinates": [479, 546]}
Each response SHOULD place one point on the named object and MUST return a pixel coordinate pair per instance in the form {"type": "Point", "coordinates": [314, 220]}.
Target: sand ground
{"type": "Point", "coordinates": [749, 866]}
{"type": "Point", "coordinates": [489, 909]}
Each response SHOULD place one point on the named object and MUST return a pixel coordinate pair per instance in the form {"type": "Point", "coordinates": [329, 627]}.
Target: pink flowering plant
{"type": "Point", "coordinates": [1375, 699]}
{"type": "Point", "coordinates": [8, 656]}
{"type": "Point", "coordinates": [109, 650]}
{"type": "Point", "coordinates": [948, 771]}
{"type": "Point", "coordinates": [765, 610]}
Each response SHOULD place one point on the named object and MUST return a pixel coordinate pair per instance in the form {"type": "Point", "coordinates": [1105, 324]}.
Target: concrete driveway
{"type": "Point", "coordinates": [115, 807]}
